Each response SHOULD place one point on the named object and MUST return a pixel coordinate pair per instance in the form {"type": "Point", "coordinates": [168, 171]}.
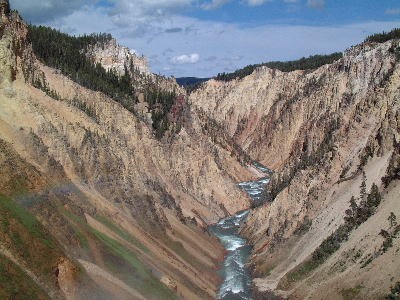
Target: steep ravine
{"type": "Point", "coordinates": [320, 131]}
{"type": "Point", "coordinates": [237, 279]}
{"type": "Point", "coordinates": [92, 200]}
{"type": "Point", "coordinates": [94, 204]}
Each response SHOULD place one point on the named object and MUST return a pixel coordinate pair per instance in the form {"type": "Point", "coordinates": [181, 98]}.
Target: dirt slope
{"type": "Point", "coordinates": [319, 131]}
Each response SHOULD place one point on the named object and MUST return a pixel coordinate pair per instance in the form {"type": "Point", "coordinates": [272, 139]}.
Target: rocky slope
{"type": "Point", "coordinates": [319, 131]}
{"type": "Point", "coordinates": [120, 59]}
{"type": "Point", "coordinates": [92, 204]}
{"type": "Point", "coordinates": [111, 55]}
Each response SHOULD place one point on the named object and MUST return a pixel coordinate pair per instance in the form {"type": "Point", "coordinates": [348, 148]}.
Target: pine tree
{"type": "Point", "coordinates": [353, 204]}
{"type": "Point", "coordinates": [374, 198]}
{"type": "Point", "coordinates": [392, 220]}
{"type": "Point", "coordinates": [363, 187]}
{"type": "Point", "coordinates": [351, 213]}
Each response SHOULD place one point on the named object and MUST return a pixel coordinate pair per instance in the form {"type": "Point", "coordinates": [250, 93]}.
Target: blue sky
{"type": "Point", "coordinates": [298, 12]}
{"type": "Point", "coordinates": [204, 37]}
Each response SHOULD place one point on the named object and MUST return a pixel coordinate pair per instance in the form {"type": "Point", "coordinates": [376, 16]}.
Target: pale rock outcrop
{"type": "Point", "coordinates": [105, 161]}
{"type": "Point", "coordinates": [113, 56]}
{"type": "Point", "coordinates": [318, 130]}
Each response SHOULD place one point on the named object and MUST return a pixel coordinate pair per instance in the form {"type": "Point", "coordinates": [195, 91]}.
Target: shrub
{"type": "Point", "coordinates": [304, 227]}
{"type": "Point", "coordinates": [390, 234]}
{"type": "Point", "coordinates": [384, 36]}
{"type": "Point", "coordinates": [394, 292]}
{"type": "Point", "coordinates": [355, 216]}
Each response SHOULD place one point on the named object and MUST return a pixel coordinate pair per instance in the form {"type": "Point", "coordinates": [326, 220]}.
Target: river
{"type": "Point", "coordinates": [237, 279]}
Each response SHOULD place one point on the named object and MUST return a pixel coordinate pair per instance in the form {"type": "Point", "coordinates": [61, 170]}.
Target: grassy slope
{"type": "Point", "coordinates": [16, 284]}
{"type": "Point", "coordinates": [21, 232]}
{"type": "Point", "coordinates": [121, 261]}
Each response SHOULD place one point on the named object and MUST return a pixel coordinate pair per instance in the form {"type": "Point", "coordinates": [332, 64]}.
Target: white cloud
{"type": "Point", "coordinates": [151, 28]}
{"type": "Point", "coordinates": [43, 10]}
{"type": "Point", "coordinates": [261, 2]}
{"type": "Point", "coordinates": [137, 13]}
{"type": "Point", "coordinates": [393, 11]}
{"type": "Point", "coordinates": [147, 8]}
{"type": "Point", "coordinates": [214, 4]}
{"type": "Point", "coordinates": [316, 4]}
{"type": "Point", "coordinates": [257, 2]}
{"type": "Point", "coordinates": [185, 59]}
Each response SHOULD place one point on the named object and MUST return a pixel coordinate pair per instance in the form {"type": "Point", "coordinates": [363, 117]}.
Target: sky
{"type": "Point", "coordinates": [202, 38]}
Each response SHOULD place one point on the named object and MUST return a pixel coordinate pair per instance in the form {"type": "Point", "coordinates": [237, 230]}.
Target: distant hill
{"type": "Point", "coordinates": [309, 63]}
{"type": "Point", "coordinates": [186, 81]}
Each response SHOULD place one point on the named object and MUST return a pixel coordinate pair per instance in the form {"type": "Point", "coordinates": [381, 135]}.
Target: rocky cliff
{"type": "Point", "coordinates": [320, 131]}
{"type": "Point", "coordinates": [93, 205]}
{"type": "Point", "coordinates": [106, 197]}
{"type": "Point", "coordinates": [114, 56]}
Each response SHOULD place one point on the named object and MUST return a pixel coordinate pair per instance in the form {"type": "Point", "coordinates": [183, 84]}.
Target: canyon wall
{"type": "Point", "coordinates": [93, 206]}
{"type": "Point", "coordinates": [320, 131]}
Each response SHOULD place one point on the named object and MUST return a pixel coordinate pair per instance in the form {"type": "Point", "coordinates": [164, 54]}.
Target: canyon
{"type": "Point", "coordinates": [95, 203]}
{"type": "Point", "coordinates": [319, 131]}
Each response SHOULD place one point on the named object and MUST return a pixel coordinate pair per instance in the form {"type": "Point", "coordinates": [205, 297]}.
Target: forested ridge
{"type": "Point", "coordinates": [384, 36]}
{"type": "Point", "coordinates": [68, 54]}
{"type": "Point", "coordinates": [310, 63]}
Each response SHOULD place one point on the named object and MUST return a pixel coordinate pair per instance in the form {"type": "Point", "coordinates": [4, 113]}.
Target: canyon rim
{"type": "Point", "coordinates": [112, 178]}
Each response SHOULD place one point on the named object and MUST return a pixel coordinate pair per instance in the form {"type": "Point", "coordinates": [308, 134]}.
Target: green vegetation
{"type": "Point", "coordinates": [131, 270]}
{"type": "Point", "coordinates": [384, 36]}
{"type": "Point", "coordinates": [191, 83]}
{"type": "Point", "coordinates": [9, 209]}
{"type": "Point", "coordinates": [394, 292]}
{"type": "Point", "coordinates": [390, 234]}
{"type": "Point", "coordinates": [83, 241]}
{"type": "Point", "coordinates": [304, 227]}
{"type": "Point", "coordinates": [41, 84]}
{"type": "Point", "coordinates": [16, 284]}
{"type": "Point", "coordinates": [122, 233]}
{"type": "Point", "coordinates": [86, 108]}
{"type": "Point", "coordinates": [395, 50]}
{"type": "Point", "coordinates": [68, 54]}
{"type": "Point", "coordinates": [160, 104]}
{"type": "Point", "coordinates": [27, 239]}
{"type": "Point", "coordinates": [302, 271]}
{"type": "Point", "coordinates": [121, 261]}
{"type": "Point", "coordinates": [355, 216]}
{"type": "Point", "coordinates": [352, 293]}
{"type": "Point", "coordinates": [393, 170]}
{"type": "Point", "coordinates": [344, 172]}
{"type": "Point", "coordinates": [188, 81]}
{"type": "Point", "coordinates": [264, 270]}
{"type": "Point", "coordinates": [78, 225]}
{"type": "Point", "coordinates": [178, 248]}
{"type": "Point", "coordinates": [310, 63]}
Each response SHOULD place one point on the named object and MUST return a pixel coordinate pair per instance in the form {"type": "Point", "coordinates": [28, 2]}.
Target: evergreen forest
{"type": "Point", "coordinates": [68, 54]}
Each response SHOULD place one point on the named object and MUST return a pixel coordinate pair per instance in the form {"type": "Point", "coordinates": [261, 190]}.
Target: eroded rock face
{"type": "Point", "coordinates": [318, 130]}
{"type": "Point", "coordinates": [115, 57]}
{"type": "Point", "coordinates": [258, 111]}
{"type": "Point", "coordinates": [91, 157]}
{"type": "Point", "coordinates": [120, 59]}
